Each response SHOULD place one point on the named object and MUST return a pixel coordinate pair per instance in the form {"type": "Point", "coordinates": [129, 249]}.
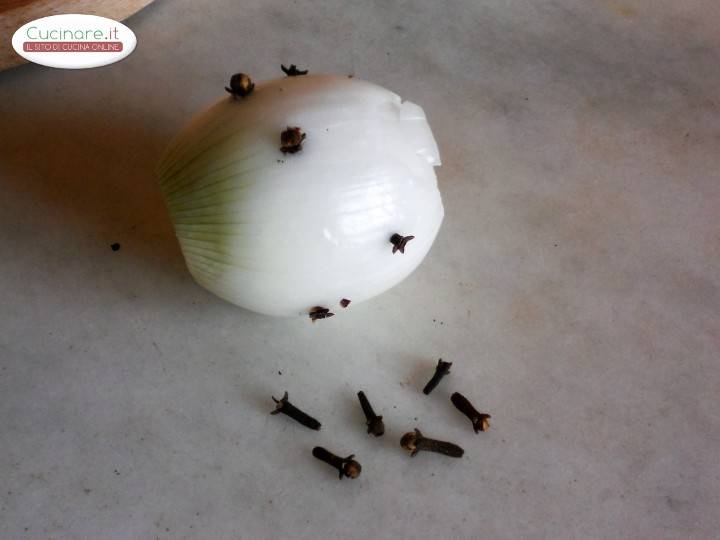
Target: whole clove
{"type": "Point", "coordinates": [240, 85]}
{"type": "Point", "coordinates": [285, 407]}
{"type": "Point", "coordinates": [415, 442]}
{"type": "Point", "coordinates": [480, 421]}
{"type": "Point", "coordinates": [442, 369]}
{"type": "Point", "coordinates": [344, 302]}
{"type": "Point", "coordinates": [374, 422]}
{"type": "Point", "coordinates": [345, 466]}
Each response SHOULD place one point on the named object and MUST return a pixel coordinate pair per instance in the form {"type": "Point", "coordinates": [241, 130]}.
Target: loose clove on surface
{"type": "Point", "coordinates": [345, 466]}
{"type": "Point", "coordinates": [442, 369]}
{"type": "Point", "coordinates": [480, 421]}
{"type": "Point", "coordinates": [374, 422]}
{"type": "Point", "coordinates": [285, 407]}
{"type": "Point", "coordinates": [414, 442]}
{"type": "Point", "coordinates": [240, 85]}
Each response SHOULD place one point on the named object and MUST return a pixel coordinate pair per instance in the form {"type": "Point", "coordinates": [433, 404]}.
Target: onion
{"type": "Point", "coordinates": [280, 233]}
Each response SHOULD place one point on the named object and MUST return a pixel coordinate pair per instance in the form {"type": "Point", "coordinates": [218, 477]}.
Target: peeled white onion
{"type": "Point", "coordinates": [279, 234]}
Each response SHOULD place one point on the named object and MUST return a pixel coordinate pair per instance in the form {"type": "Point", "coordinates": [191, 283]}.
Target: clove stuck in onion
{"type": "Point", "coordinates": [278, 233]}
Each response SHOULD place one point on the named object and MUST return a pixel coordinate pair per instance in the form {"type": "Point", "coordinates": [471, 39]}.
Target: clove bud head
{"type": "Point", "coordinates": [409, 442]}
{"type": "Point", "coordinates": [241, 85]}
{"type": "Point", "coordinates": [352, 469]}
